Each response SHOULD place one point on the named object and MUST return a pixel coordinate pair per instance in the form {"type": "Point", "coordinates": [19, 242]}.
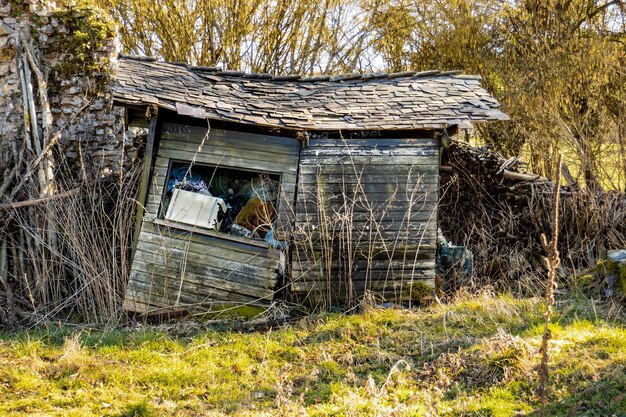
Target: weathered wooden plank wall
{"type": "Point", "coordinates": [176, 269]}
{"type": "Point", "coordinates": [366, 218]}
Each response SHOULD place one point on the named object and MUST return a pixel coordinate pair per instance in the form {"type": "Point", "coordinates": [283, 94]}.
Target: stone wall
{"type": "Point", "coordinates": [76, 50]}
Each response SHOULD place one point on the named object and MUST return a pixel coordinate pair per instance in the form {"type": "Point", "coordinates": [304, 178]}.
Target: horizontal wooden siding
{"type": "Point", "coordinates": [366, 219]}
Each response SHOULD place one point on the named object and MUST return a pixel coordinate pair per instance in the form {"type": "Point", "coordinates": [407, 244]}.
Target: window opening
{"type": "Point", "coordinates": [228, 200]}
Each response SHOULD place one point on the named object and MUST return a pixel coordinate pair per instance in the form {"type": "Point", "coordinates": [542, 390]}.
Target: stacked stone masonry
{"type": "Point", "coordinates": [93, 132]}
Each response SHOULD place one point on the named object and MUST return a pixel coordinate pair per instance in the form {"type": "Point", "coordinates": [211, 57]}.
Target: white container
{"type": "Point", "coordinates": [195, 209]}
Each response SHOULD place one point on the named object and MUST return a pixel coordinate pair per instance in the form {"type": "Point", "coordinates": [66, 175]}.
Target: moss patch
{"type": "Point", "coordinates": [82, 46]}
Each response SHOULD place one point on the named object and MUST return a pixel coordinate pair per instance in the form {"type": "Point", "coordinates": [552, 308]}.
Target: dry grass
{"type": "Point", "coordinates": [498, 359]}
{"type": "Point", "coordinates": [383, 362]}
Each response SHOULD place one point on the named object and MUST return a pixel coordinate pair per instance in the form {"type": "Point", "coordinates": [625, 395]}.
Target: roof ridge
{"type": "Point", "coordinates": [335, 78]}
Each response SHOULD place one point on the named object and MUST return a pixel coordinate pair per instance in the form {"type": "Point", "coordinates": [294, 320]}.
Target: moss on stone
{"type": "Point", "coordinates": [618, 270]}
{"type": "Point", "coordinates": [82, 47]}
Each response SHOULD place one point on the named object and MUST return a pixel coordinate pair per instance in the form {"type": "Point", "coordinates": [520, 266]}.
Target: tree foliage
{"type": "Point", "coordinates": [557, 66]}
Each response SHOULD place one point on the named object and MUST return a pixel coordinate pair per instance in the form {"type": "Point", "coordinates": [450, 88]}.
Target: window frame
{"type": "Point", "coordinates": [162, 221]}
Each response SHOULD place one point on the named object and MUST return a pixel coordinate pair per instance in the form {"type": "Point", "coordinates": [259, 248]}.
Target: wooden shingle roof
{"type": "Point", "coordinates": [379, 101]}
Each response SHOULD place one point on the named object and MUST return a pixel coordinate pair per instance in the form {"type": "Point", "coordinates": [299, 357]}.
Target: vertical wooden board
{"type": "Point", "coordinates": [343, 196]}
{"type": "Point", "coordinates": [144, 185]}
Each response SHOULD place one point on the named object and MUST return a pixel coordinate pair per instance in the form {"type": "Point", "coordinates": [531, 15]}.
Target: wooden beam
{"type": "Point", "coordinates": [145, 176]}
{"type": "Point", "coordinates": [36, 201]}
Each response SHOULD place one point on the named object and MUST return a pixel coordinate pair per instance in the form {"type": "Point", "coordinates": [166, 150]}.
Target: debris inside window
{"type": "Point", "coordinates": [237, 202]}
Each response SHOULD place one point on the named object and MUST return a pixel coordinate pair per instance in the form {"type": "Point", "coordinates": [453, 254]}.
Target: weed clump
{"type": "Point", "coordinates": [139, 409]}
{"type": "Point", "coordinates": [499, 359]}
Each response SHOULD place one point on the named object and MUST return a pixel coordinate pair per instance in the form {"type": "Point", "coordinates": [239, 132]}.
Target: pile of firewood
{"type": "Point", "coordinates": [499, 211]}
{"type": "Point", "coordinates": [502, 177]}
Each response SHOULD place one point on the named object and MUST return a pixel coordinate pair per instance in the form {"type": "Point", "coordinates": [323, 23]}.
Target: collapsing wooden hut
{"type": "Point", "coordinates": [317, 189]}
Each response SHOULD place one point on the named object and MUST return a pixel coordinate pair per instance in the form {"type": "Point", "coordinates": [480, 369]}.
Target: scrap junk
{"type": "Point", "coordinates": [317, 190]}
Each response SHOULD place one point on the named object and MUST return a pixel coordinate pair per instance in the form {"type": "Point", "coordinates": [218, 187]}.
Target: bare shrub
{"type": "Point", "coordinates": [81, 271]}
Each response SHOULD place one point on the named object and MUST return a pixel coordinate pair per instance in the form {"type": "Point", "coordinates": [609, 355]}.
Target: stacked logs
{"type": "Point", "coordinates": [491, 170]}
{"type": "Point", "coordinates": [499, 211]}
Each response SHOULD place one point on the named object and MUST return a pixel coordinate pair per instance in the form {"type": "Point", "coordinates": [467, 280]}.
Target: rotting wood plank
{"type": "Point", "coordinates": [375, 284]}
{"type": "Point", "coordinates": [359, 153]}
{"type": "Point", "coordinates": [236, 251]}
{"type": "Point", "coordinates": [197, 133]}
{"type": "Point", "coordinates": [378, 214]}
{"type": "Point", "coordinates": [381, 278]}
{"type": "Point", "coordinates": [168, 225]}
{"type": "Point", "coordinates": [390, 191]}
{"type": "Point", "coordinates": [196, 278]}
{"type": "Point", "coordinates": [359, 264]}
{"type": "Point", "coordinates": [314, 269]}
{"type": "Point", "coordinates": [363, 223]}
{"type": "Point", "coordinates": [425, 168]}
{"type": "Point", "coordinates": [161, 296]}
{"type": "Point", "coordinates": [154, 296]}
{"type": "Point", "coordinates": [396, 248]}
{"type": "Point", "coordinates": [223, 139]}
{"type": "Point", "coordinates": [145, 178]}
{"type": "Point", "coordinates": [336, 293]}
{"type": "Point", "coordinates": [176, 258]}
{"type": "Point", "coordinates": [196, 288]}
{"type": "Point", "coordinates": [229, 162]}
{"type": "Point", "coordinates": [233, 271]}
{"type": "Point", "coordinates": [431, 159]}
{"type": "Point", "coordinates": [370, 143]}
{"type": "Point", "coordinates": [338, 287]}
{"type": "Point", "coordinates": [363, 202]}
{"type": "Point", "coordinates": [377, 250]}
{"type": "Point", "coordinates": [230, 153]}
{"type": "Point", "coordinates": [362, 243]}
{"type": "Point", "coordinates": [372, 190]}
{"type": "Point", "coordinates": [166, 293]}
{"type": "Point", "coordinates": [378, 179]}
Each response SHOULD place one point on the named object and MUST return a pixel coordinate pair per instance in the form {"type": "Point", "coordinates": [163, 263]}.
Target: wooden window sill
{"type": "Point", "coordinates": [211, 233]}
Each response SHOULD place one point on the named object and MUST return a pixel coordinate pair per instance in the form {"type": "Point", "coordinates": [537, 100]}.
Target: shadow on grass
{"type": "Point", "coordinates": [603, 397]}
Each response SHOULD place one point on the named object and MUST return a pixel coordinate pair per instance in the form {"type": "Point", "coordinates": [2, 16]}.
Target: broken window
{"type": "Point", "coordinates": [234, 201]}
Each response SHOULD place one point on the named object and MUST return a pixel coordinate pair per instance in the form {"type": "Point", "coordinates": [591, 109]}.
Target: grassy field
{"type": "Point", "coordinates": [474, 357]}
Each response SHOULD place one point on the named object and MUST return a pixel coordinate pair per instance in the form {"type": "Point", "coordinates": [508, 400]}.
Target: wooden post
{"type": "Point", "coordinates": [144, 185]}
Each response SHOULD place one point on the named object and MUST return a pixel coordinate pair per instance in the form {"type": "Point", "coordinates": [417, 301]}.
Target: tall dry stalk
{"type": "Point", "coordinates": [552, 262]}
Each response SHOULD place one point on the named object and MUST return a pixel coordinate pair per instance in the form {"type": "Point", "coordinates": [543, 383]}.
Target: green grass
{"type": "Point", "coordinates": [474, 357]}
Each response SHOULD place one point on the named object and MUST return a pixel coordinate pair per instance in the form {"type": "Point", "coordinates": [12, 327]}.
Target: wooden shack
{"type": "Point", "coordinates": [318, 189]}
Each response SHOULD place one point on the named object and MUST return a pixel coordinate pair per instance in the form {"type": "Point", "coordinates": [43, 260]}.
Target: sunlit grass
{"type": "Point", "coordinates": [460, 359]}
